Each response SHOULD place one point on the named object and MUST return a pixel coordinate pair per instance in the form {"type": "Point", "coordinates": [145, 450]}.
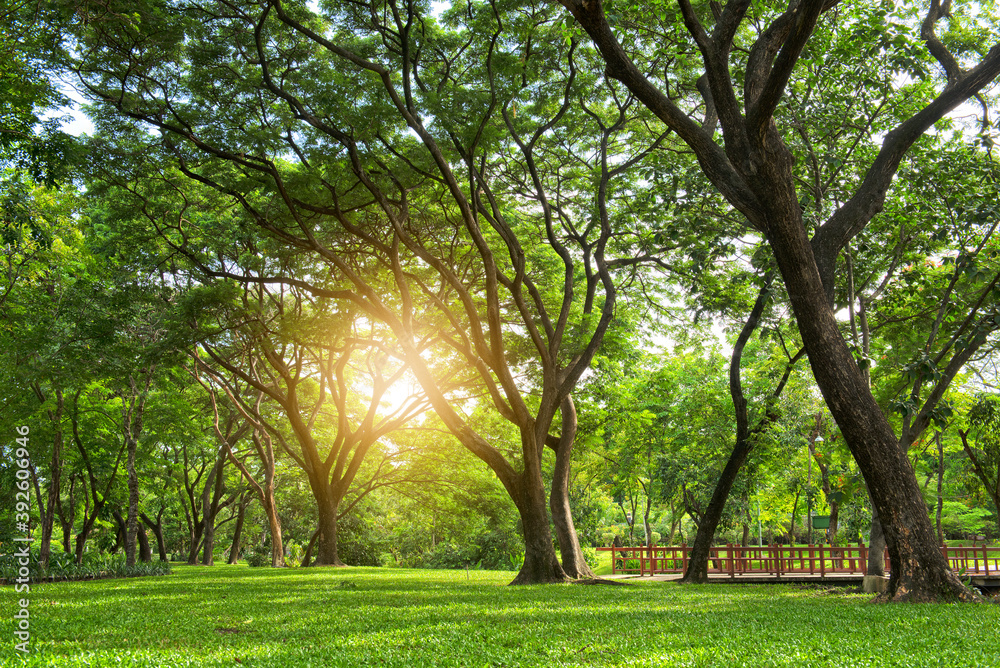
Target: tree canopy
{"type": "Point", "coordinates": [344, 237]}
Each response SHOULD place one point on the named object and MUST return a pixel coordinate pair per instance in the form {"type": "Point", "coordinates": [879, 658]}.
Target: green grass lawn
{"type": "Point", "coordinates": [236, 616]}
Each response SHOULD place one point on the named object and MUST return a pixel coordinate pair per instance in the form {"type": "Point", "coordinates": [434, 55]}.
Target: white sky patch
{"type": "Point", "coordinates": [76, 122]}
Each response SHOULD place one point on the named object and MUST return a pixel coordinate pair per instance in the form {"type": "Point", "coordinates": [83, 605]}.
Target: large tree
{"type": "Point", "coordinates": [754, 169]}
{"type": "Point", "coordinates": [460, 179]}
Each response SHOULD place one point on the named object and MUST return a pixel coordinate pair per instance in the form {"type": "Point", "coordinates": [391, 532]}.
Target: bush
{"type": "Point", "coordinates": [294, 553]}
{"type": "Point", "coordinates": [450, 555]}
{"type": "Point", "coordinates": [500, 550]}
{"type": "Point", "coordinates": [357, 542]}
{"type": "Point", "coordinates": [258, 557]}
{"type": "Point", "coordinates": [63, 567]}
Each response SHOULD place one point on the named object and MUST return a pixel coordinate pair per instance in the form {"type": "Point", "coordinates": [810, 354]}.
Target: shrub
{"type": "Point", "coordinates": [357, 542]}
{"type": "Point", "coordinates": [63, 567]}
{"type": "Point", "coordinates": [450, 555]}
{"type": "Point", "coordinates": [500, 550]}
{"type": "Point", "coordinates": [258, 557]}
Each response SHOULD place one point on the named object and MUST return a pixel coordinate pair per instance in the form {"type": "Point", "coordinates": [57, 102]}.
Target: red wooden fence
{"type": "Point", "coordinates": [780, 560]}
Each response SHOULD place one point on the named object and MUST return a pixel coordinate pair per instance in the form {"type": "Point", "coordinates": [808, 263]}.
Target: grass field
{"type": "Point", "coordinates": [236, 616]}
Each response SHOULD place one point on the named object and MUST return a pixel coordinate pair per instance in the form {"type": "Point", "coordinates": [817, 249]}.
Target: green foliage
{"type": "Point", "coordinates": [450, 555]}
{"type": "Point", "coordinates": [258, 557]}
{"type": "Point", "coordinates": [32, 147]}
{"type": "Point", "coordinates": [960, 521]}
{"type": "Point", "coordinates": [357, 542]}
{"type": "Point", "coordinates": [501, 549]}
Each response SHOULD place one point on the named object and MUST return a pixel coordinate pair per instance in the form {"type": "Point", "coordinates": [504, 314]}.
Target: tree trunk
{"type": "Point", "coordinates": [133, 405]}
{"type": "Point", "coordinates": [89, 516]}
{"type": "Point", "coordinates": [795, 513]}
{"type": "Point", "coordinates": [326, 543]}
{"type": "Point", "coordinates": [919, 570]}
{"type": "Point", "coordinates": [645, 520]}
{"type": "Point", "coordinates": [940, 484]}
{"type": "Point", "coordinates": [145, 553]}
{"type": "Point", "coordinates": [697, 570]}
{"type": "Point", "coordinates": [67, 532]}
{"type": "Point", "coordinates": [540, 562]}
{"type": "Point", "coordinates": [208, 542]}
{"type": "Point", "coordinates": [876, 548]}
{"type": "Point", "coordinates": [132, 522]}
{"type": "Point", "coordinates": [81, 541]}
{"type": "Point", "coordinates": [277, 543]}
{"type": "Point", "coordinates": [66, 518]}
{"type": "Point", "coordinates": [210, 505]}
{"type": "Point", "coordinates": [307, 557]}
{"type": "Point", "coordinates": [157, 529]}
{"type": "Point", "coordinates": [573, 563]}
{"type": "Point", "coordinates": [120, 533]}
{"type": "Point", "coordinates": [195, 547]}
{"type": "Point", "coordinates": [234, 549]}
{"type": "Point", "coordinates": [55, 469]}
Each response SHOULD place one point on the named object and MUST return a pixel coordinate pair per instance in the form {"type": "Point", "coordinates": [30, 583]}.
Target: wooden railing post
{"type": "Point", "coordinates": [684, 558]}
{"type": "Point", "coordinates": [822, 562]}
{"type": "Point", "coordinates": [986, 560]}
{"type": "Point", "coordinates": [732, 572]}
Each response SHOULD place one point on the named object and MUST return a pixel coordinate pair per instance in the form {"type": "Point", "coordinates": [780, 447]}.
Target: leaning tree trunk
{"type": "Point", "coordinates": [697, 570]}
{"type": "Point", "coordinates": [919, 570]}
{"type": "Point", "coordinates": [573, 562]}
{"type": "Point", "coordinates": [307, 557]}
